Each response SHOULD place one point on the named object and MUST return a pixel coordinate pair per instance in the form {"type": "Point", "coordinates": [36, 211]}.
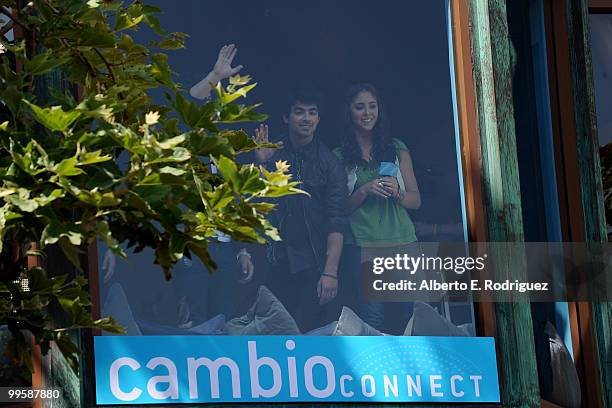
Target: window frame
{"type": "Point", "coordinates": [572, 129]}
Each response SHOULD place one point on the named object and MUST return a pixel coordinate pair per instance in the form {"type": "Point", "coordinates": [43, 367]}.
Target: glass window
{"type": "Point", "coordinates": [362, 99]}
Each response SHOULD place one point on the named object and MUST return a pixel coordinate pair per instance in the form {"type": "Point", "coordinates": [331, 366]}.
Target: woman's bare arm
{"type": "Point", "coordinates": [411, 198]}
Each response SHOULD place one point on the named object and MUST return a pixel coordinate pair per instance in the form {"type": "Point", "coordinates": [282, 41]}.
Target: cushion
{"type": "Point", "coordinates": [117, 306]}
{"type": "Point", "coordinates": [326, 330]}
{"type": "Point", "coordinates": [349, 324]}
{"type": "Point", "coordinates": [566, 385]}
{"type": "Point", "coordinates": [266, 316]}
{"type": "Point", "coordinates": [468, 328]}
{"type": "Point", "coordinates": [212, 326]}
{"type": "Point", "coordinates": [426, 321]}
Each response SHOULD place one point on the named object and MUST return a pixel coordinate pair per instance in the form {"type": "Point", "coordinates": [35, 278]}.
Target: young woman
{"type": "Point", "coordinates": [382, 186]}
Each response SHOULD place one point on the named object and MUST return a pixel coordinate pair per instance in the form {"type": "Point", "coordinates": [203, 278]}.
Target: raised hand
{"type": "Point", "coordinates": [223, 67]}
{"type": "Point", "coordinates": [222, 70]}
{"type": "Point", "coordinates": [261, 136]}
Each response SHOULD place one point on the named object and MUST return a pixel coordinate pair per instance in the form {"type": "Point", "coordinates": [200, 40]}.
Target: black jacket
{"type": "Point", "coordinates": [323, 177]}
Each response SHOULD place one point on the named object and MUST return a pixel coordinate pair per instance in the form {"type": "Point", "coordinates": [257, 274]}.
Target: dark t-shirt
{"type": "Point", "coordinates": [297, 245]}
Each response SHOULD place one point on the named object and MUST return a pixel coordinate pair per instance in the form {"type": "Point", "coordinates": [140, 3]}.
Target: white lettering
{"type": "Point", "coordinates": [476, 378]}
{"type": "Point", "coordinates": [213, 369]}
{"type": "Point", "coordinates": [331, 377]}
{"type": "Point", "coordinates": [454, 391]}
{"type": "Point", "coordinates": [343, 391]}
{"type": "Point", "coordinates": [364, 390]}
{"type": "Point", "coordinates": [390, 386]}
{"type": "Point", "coordinates": [416, 386]}
{"type": "Point", "coordinates": [435, 386]}
{"type": "Point", "coordinates": [291, 366]}
{"type": "Point", "coordinates": [171, 379]}
{"type": "Point", "coordinates": [254, 365]}
{"type": "Point", "coordinates": [114, 379]}
{"type": "Point", "coordinates": [377, 267]}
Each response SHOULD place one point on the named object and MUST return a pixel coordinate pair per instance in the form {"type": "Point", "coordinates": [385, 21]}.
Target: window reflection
{"type": "Point", "coordinates": [360, 100]}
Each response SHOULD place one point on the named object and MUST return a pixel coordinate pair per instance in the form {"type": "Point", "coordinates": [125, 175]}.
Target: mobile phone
{"type": "Point", "coordinates": [388, 169]}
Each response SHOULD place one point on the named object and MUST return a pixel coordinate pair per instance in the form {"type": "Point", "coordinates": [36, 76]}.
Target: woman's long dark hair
{"type": "Point", "coordinates": [383, 148]}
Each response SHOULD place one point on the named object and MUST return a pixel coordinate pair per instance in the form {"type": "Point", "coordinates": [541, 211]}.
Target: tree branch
{"type": "Point", "coordinates": [108, 66]}
{"type": "Point", "coordinates": [10, 15]}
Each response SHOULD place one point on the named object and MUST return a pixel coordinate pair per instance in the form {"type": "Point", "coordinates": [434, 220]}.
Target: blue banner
{"type": "Point", "coordinates": [199, 369]}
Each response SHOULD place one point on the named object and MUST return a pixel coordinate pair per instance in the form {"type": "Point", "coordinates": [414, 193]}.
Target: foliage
{"type": "Point", "coordinates": [112, 165]}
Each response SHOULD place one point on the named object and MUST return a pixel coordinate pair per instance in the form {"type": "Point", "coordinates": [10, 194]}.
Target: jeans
{"type": "Point", "coordinates": [350, 288]}
{"type": "Point", "coordinates": [388, 317]}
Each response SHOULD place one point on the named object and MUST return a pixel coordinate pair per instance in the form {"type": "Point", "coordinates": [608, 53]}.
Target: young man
{"type": "Point", "coordinates": [304, 270]}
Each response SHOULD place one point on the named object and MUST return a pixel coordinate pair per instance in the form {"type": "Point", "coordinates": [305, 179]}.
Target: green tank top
{"type": "Point", "coordinates": [379, 222]}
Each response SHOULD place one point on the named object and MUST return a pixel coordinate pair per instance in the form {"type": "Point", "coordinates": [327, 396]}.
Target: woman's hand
{"type": "Point", "coordinates": [223, 67]}
{"type": "Point", "coordinates": [261, 136]}
{"type": "Point", "coordinates": [376, 187]}
{"type": "Point", "coordinates": [391, 185]}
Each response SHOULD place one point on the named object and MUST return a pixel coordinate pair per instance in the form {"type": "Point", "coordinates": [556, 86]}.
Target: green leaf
{"type": "Point", "coordinates": [53, 118]}
{"type": "Point", "coordinates": [173, 171]}
{"type": "Point", "coordinates": [188, 110]}
{"type": "Point", "coordinates": [33, 303]}
{"type": "Point", "coordinates": [172, 142]}
{"type": "Point", "coordinates": [92, 158]}
{"type": "Point", "coordinates": [239, 140]}
{"type": "Point", "coordinates": [201, 250]}
{"type": "Point", "coordinates": [67, 167]}
{"type": "Point", "coordinates": [22, 200]}
{"type": "Point", "coordinates": [152, 194]}
{"type": "Point", "coordinates": [124, 21]}
{"type": "Point", "coordinates": [43, 63]}
{"type": "Point", "coordinates": [250, 180]}
{"type": "Point", "coordinates": [177, 246]}
{"type": "Point", "coordinates": [94, 37]}
{"type": "Point", "coordinates": [54, 231]}
{"type": "Point", "coordinates": [240, 113]}
{"type": "Point", "coordinates": [44, 200]}
{"type": "Point", "coordinates": [69, 350]}
{"type": "Point", "coordinates": [239, 80]}
{"type": "Point", "coordinates": [229, 170]}
{"type": "Point", "coordinates": [171, 43]}
{"type": "Point", "coordinates": [71, 252]}
{"type": "Point", "coordinates": [229, 97]}
{"type": "Point", "coordinates": [104, 232]}
{"type": "Point", "coordinates": [179, 154]}
{"type": "Point", "coordinates": [109, 324]}
{"type": "Point", "coordinates": [220, 197]}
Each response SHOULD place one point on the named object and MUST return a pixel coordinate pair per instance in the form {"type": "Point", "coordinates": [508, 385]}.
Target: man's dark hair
{"type": "Point", "coordinates": [306, 94]}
